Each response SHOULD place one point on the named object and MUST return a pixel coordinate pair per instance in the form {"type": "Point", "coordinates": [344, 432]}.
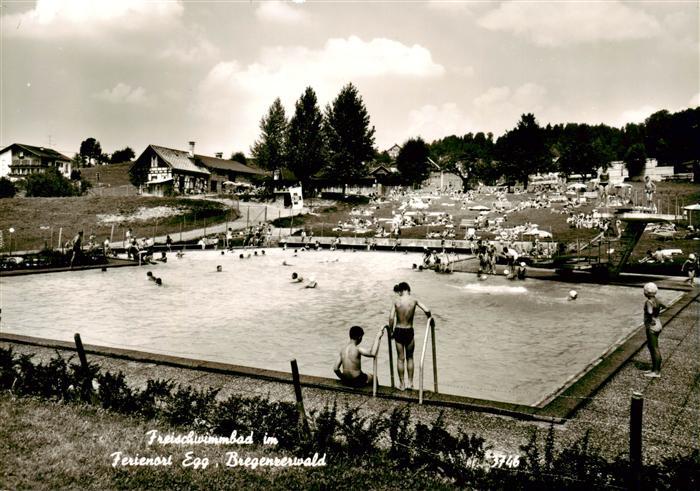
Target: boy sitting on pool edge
{"type": "Point", "coordinates": [350, 359]}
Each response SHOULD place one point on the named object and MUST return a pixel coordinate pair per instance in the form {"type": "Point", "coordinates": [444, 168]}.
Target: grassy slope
{"type": "Point", "coordinates": [28, 215]}
{"type": "Point", "coordinates": [51, 445]}
{"type": "Point", "coordinates": [110, 175]}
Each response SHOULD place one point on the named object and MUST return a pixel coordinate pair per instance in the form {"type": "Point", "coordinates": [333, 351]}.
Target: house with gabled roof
{"type": "Point", "coordinates": [17, 161]}
{"type": "Point", "coordinates": [394, 151]}
{"type": "Point", "coordinates": [169, 171]}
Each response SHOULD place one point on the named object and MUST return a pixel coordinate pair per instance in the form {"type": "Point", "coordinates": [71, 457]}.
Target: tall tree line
{"type": "Point", "coordinates": [571, 148]}
{"type": "Point", "coordinates": [338, 142]}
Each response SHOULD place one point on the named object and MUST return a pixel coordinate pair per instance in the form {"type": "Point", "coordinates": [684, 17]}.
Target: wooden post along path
{"type": "Point", "coordinates": [299, 398]}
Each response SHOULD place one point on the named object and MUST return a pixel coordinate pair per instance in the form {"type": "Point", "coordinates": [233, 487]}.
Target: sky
{"type": "Point", "coordinates": [134, 73]}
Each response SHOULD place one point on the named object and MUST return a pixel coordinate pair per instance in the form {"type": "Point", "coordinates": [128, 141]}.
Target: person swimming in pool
{"type": "Point", "coordinates": [296, 278]}
{"type": "Point", "coordinates": [401, 325]}
{"type": "Point", "coordinates": [350, 359]}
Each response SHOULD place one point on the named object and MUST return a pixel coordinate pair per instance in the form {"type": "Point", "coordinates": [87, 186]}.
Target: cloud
{"type": "Point", "coordinates": [637, 115]}
{"type": "Point", "coordinates": [198, 49]}
{"type": "Point", "coordinates": [432, 122]}
{"type": "Point", "coordinates": [285, 71]}
{"type": "Point", "coordinates": [280, 12]}
{"type": "Point", "coordinates": [452, 7]}
{"type": "Point", "coordinates": [124, 94]}
{"type": "Point", "coordinates": [564, 23]}
{"type": "Point", "coordinates": [499, 108]}
{"type": "Point", "coordinates": [84, 18]}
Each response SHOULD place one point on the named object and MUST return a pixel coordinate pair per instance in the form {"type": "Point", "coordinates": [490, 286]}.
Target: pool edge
{"type": "Point", "coordinates": [555, 411]}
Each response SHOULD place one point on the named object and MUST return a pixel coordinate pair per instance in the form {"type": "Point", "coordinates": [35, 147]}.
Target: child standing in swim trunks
{"type": "Point", "coordinates": [350, 359]}
{"type": "Point", "coordinates": [401, 324]}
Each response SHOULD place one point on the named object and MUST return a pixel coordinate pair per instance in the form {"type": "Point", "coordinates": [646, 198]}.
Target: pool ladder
{"type": "Point", "coordinates": [430, 327]}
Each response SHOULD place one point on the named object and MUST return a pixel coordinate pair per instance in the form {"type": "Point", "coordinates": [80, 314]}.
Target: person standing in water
{"type": "Point", "coordinates": [401, 325]}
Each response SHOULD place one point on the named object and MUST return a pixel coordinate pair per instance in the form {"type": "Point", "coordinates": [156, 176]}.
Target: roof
{"type": "Point", "coordinates": [48, 153]}
{"type": "Point", "coordinates": [179, 159]}
{"type": "Point", "coordinates": [227, 165]}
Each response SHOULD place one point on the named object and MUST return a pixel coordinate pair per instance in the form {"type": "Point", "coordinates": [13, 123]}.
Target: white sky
{"type": "Point", "coordinates": [131, 72]}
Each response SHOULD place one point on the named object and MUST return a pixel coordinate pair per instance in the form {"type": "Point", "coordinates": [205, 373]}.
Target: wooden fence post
{"type": "Point", "coordinates": [636, 441]}
{"type": "Point", "coordinates": [87, 383]}
{"type": "Point", "coordinates": [299, 398]}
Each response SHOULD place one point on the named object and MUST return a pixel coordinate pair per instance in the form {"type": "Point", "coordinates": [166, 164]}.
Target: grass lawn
{"type": "Point", "coordinates": [52, 445]}
{"type": "Point", "coordinates": [37, 220]}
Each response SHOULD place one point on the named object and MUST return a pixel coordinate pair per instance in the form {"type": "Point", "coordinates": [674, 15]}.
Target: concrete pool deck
{"type": "Point", "coordinates": [598, 402]}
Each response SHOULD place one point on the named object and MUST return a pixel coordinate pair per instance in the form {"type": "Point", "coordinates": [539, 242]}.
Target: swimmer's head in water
{"type": "Point", "coordinates": [159, 281]}
{"type": "Point", "coordinates": [356, 333]}
{"type": "Point", "coordinates": [255, 253]}
{"type": "Point", "coordinates": [294, 276]}
{"type": "Point", "coordinates": [415, 265]}
{"type": "Point", "coordinates": [222, 253]}
{"type": "Point", "coordinates": [149, 274]}
{"type": "Point", "coordinates": [650, 289]}
{"type": "Point", "coordinates": [218, 268]}
{"type": "Point", "coordinates": [295, 250]}
{"type": "Point", "coordinates": [573, 294]}
{"type": "Point", "coordinates": [262, 252]}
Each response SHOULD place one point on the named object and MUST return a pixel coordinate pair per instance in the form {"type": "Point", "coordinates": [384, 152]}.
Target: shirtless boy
{"type": "Point", "coordinates": [350, 359]}
{"type": "Point", "coordinates": [401, 323]}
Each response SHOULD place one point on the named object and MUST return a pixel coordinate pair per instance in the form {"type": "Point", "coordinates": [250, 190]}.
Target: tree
{"type": "Point", "coordinates": [306, 149]}
{"type": "Point", "coordinates": [523, 151]}
{"type": "Point", "coordinates": [7, 188]}
{"type": "Point", "coordinates": [124, 155]}
{"type": "Point", "coordinates": [412, 161]}
{"type": "Point", "coordinates": [49, 183]}
{"type": "Point", "coordinates": [635, 158]}
{"type": "Point", "coordinates": [90, 151]}
{"type": "Point", "coordinates": [239, 157]}
{"type": "Point", "coordinates": [269, 150]}
{"type": "Point", "coordinates": [580, 152]}
{"type": "Point", "coordinates": [349, 134]}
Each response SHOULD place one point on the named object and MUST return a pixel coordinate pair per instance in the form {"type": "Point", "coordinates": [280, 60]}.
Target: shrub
{"type": "Point", "coordinates": [49, 183]}
{"type": "Point", "coordinates": [362, 433]}
{"type": "Point", "coordinates": [7, 368]}
{"type": "Point", "coordinates": [190, 407]}
{"type": "Point", "coordinates": [154, 398]}
{"type": "Point", "coordinates": [324, 428]}
{"type": "Point", "coordinates": [400, 435]}
{"type": "Point", "coordinates": [7, 188]}
{"type": "Point", "coordinates": [114, 394]}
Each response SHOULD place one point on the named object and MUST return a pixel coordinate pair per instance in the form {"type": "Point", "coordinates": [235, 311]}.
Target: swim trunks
{"type": "Point", "coordinates": [359, 381]}
{"type": "Point", "coordinates": [403, 335]}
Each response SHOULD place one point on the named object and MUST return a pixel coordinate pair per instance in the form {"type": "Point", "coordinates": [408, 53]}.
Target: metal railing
{"type": "Point", "coordinates": [391, 363]}
{"type": "Point", "coordinates": [430, 327]}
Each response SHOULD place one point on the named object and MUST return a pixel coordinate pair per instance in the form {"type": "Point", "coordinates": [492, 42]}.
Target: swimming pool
{"type": "Point", "coordinates": [500, 340]}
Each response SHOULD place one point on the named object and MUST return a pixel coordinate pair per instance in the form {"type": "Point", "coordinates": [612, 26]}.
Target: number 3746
{"type": "Point", "coordinates": [500, 459]}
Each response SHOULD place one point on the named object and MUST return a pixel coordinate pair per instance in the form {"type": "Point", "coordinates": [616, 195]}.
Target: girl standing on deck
{"type": "Point", "coordinates": [652, 325]}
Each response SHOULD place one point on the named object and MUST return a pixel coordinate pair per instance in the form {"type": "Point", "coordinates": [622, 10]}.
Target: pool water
{"type": "Point", "coordinates": [501, 340]}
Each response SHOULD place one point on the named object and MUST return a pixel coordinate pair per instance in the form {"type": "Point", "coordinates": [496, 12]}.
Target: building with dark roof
{"type": "Point", "coordinates": [18, 161]}
{"type": "Point", "coordinates": [169, 171]}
